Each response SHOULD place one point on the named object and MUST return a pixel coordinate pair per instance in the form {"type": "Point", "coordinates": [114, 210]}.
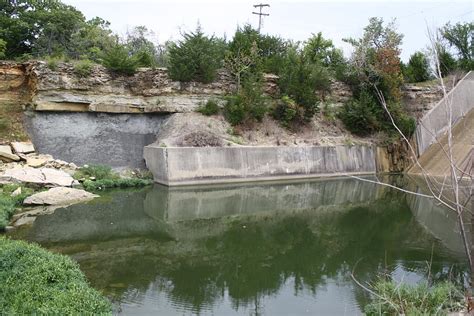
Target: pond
{"type": "Point", "coordinates": [262, 248]}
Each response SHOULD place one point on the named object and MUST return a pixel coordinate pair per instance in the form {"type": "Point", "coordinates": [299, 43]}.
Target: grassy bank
{"type": "Point", "coordinates": [100, 177]}
{"type": "Point", "coordinates": [36, 281]}
{"type": "Point", "coordinates": [391, 298]}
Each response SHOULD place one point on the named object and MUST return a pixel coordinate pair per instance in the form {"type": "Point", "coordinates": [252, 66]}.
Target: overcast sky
{"type": "Point", "coordinates": [290, 19]}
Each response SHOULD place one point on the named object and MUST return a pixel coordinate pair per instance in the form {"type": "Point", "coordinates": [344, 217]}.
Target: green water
{"type": "Point", "coordinates": [272, 249]}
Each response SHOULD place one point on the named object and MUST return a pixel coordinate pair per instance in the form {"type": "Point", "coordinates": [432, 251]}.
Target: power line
{"type": "Point", "coordinates": [260, 14]}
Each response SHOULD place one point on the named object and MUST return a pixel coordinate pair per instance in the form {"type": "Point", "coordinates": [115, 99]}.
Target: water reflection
{"type": "Point", "coordinates": [278, 248]}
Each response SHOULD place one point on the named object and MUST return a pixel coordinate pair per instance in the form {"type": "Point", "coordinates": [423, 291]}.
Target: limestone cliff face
{"type": "Point", "coordinates": [148, 91]}
{"type": "Point", "coordinates": [13, 83]}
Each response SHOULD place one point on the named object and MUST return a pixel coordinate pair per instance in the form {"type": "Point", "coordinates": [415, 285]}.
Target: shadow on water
{"type": "Point", "coordinates": [273, 248]}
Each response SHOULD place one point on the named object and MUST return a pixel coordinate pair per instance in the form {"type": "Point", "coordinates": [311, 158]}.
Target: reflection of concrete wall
{"type": "Point", "coordinates": [435, 122]}
{"type": "Point", "coordinates": [438, 220]}
{"type": "Point", "coordinates": [116, 140]}
{"type": "Point", "coordinates": [189, 203]}
{"type": "Point", "coordinates": [181, 166]}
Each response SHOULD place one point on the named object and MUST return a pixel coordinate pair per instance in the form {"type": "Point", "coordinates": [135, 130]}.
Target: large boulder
{"type": "Point", "coordinates": [42, 176]}
{"type": "Point", "coordinates": [59, 196]}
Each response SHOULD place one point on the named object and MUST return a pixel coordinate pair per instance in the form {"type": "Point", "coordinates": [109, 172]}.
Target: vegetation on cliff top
{"type": "Point", "coordinates": [35, 281]}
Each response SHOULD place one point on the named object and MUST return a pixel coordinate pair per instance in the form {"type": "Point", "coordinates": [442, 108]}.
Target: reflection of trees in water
{"type": "Point", "coordinates": [255, 258]}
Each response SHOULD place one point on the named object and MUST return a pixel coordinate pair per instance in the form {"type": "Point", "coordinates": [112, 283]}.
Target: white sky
{"type": "Point", "coordinates": [290, 19]}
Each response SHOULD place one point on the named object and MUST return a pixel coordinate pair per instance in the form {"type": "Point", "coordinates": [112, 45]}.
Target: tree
{"type": "Point", "coordinates": [146, 53]}
{"type": "Point", "coordinates": [376, 58]}
{"type": "Point", "coordinates": [40, 27]}
{"type": "Point", "coordinates": [196, 57]}
{"type": "Point", "coordinates": [118, 59]}
{"type": "Point", "coordinates": [239, 63]}
{"type": "Point", "coordinates": [461, 36]}
{"type": "Point", "coordinates": [418, 68]}
{"type": "Point", "coordinates": [91, 39]}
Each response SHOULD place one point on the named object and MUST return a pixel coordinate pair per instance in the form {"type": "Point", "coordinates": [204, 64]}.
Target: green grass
{"type": "Point", "coordinates": [8, 203]}
{"type": "Point", "coordinates": [100, 177]}
{"type": "Point", "coordinates": [36, 281]}
{"type": "Point", "coordinates": [421, 299]}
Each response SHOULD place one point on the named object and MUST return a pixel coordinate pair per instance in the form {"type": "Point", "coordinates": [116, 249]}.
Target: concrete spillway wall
{"type": "Point", "coordinates": [435, 123]}
{"type": "Point", "coordinates": [186, 165]}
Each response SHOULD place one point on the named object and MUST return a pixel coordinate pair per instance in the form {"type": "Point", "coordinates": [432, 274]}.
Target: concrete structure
{"type": "Point", "coordinates": [431, 133]}
{"type": "Point", "coordinates": [435, 123]}
{"type": "Point", "coordinates": [187, 165]}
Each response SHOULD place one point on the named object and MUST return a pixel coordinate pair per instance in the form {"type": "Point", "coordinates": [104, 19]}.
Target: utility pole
{"type": "Point", "coordinates": [260, 14]}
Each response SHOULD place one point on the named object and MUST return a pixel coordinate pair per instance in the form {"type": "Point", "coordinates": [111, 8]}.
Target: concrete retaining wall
{"type": "Point", "coordinates": [435, 122]}
{"type": "Point", "coordinates": [186, 165]}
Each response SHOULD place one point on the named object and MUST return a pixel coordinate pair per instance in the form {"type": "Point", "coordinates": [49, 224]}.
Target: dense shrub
{"type": "Point", "coordinates": [196, 57]}
{"type": "Point", "coordinates": [209, 108]}
{"type": "Point", "coordinates": [83, 68]}
{"type": "Point", "coordinates": [364, 115]}
{"type": "Point", "coordinates": [35, 281]}
{"type": "Point", "coordinates": [118, 59]}
{"type": "Point", "coordinates": [361, 115]}
{"type": "Point", "coordinates": [248, 105]}
{"type": "Point", "coordinates": [421, 299]}
{"type": "Point", "coordinates": [417, 69]}
{"type": "Point", "coordinates": [299, 80]}
{"type": "Point", "coordinates": [270, 50]}
{"type": "Point", "coordinates": [288, 112]}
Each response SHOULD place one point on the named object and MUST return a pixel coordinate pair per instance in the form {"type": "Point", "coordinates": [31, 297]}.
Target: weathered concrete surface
{"type": "Point", "coordinates": [92, 138]}
{"type": "Point", "coordinates": [435, 123]}
{"type": "Point", "coordinates": [435, 160]}
{"type": "Point", "coordinates": [186, 165]}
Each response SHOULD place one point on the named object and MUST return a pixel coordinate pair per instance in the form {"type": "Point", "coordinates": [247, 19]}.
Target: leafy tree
{"type": "Point", "coordinates": [322, 51]}
{"type": "Point", "coordinates": [196, 57]}
{"type": "Point", "coordinates": [146, 53]}
{"type": "Point", "coordinates": [41, 27]}
{"type": "Point", "coordinates": [418, 68]}
{"type": "Point", "coordinates": [93, 38]}
{"type": "Point", "coordinates": [376, 58]}
{"type": "Point", "coordinates": [239, 63]}
{"type": "Point", "coordinates": [461, 36]}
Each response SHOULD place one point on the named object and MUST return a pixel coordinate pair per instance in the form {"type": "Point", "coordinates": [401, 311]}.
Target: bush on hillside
{"type": "Point", "coordinates": [118, 60]}
{"type": "Point", "coordinates": [35, 281]}
{"type": "Point", "coordinates": [248, 105]}
{"type": "Point", "coordinates": [209, 108]}
{"type": "Point", "coordinates": [196, 57]}
{"type": "Point", "coordinates": [83, 68]}
{"type": "Point", "coordinates": [288, 112]}
{"type": "Point", "coordinates": [361, 115]}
